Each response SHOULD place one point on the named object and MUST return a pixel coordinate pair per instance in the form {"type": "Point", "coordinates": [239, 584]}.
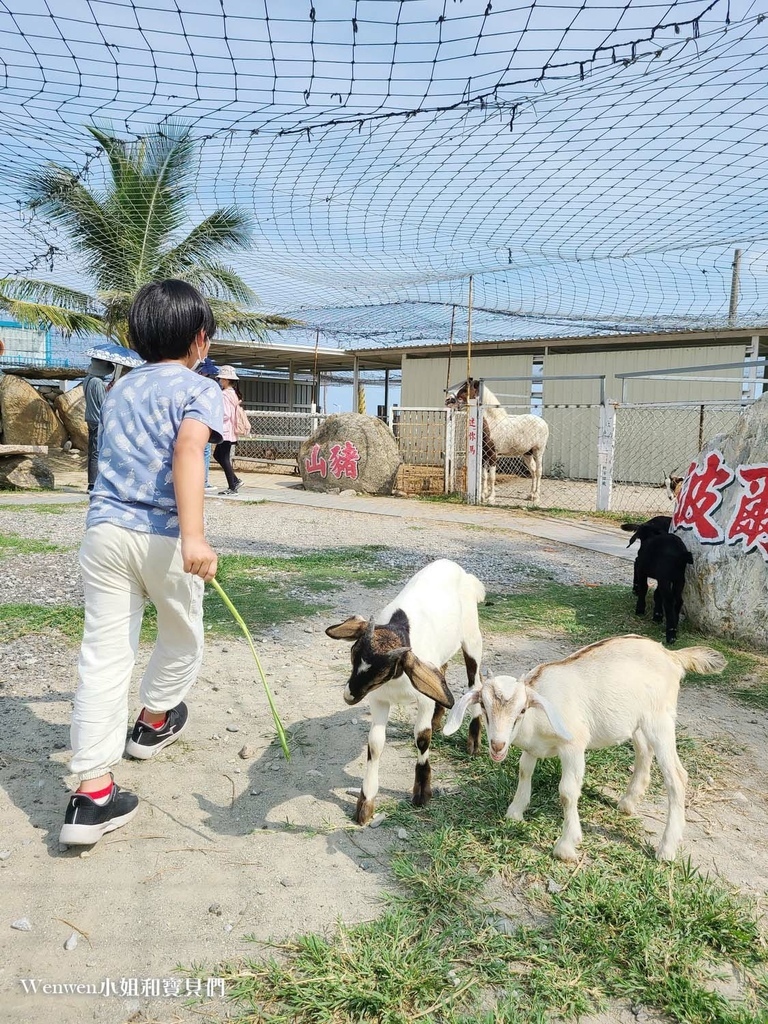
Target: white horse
{"type": "Point", "coordinates": [524, 437]}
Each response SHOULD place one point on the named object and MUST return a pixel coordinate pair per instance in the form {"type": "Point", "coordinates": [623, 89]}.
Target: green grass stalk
{"type": "Point", "coordinates": [241, 623]}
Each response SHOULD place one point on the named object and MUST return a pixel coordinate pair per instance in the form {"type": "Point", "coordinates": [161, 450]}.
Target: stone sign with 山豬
{"type": "Point", "coordinates": [722, 516]}
{"type": "Point", "coordinates": [350, 452]}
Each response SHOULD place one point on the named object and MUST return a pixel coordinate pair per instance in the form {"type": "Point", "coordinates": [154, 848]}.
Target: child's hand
{"type": "Point", "coordinates": [199, 558]}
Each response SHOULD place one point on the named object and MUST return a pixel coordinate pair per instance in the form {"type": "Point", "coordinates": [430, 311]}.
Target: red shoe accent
{"type": "Point", "coordinates": [157, 725]}
{"type": "Point", "coordinates": [99, 794]}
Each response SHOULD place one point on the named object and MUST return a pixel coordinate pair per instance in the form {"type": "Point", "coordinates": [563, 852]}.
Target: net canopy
{"type": "Point", "coordinates": [592, 165]}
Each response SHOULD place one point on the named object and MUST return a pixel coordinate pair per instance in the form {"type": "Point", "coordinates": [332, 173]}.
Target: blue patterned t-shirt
{"type": "Point", "coordinates": [140, 421]}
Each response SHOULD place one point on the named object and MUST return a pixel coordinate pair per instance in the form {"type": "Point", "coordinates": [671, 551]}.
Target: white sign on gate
{"type": "Point", "coordinates": [474, 451]}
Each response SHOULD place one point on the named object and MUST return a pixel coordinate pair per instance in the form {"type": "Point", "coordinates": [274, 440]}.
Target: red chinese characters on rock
{"type": "Point", "coordinates": [344, 460]}
{"type": "Point", "coordinates": [750, 520]}
{"type": "Point", "coordinates": [315, 463]}
{"type": "Point", "coordinates": [701, 497]}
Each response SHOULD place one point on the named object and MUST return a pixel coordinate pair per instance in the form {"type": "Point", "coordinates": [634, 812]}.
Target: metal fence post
{"type": "Point", "coordinates": [474, 451]}
{"type": "Point", "coordinates": [606, 448]}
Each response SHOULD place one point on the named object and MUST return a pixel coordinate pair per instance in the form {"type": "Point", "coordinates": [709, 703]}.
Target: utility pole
{"type": "Point", "coordinates": [469, 327]}
{"type": "Point", "coordinates": [733, 308]}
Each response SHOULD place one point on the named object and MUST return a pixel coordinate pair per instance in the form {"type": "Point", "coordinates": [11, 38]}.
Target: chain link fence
{"type": "Point", "coordinates": [276, 437]}
{"type": "Point", "coordinates": [425, 438]}
{"type": "Point", "coordinates": [653, 441]}
{"type": "Point", "coordinates": [611, 456]}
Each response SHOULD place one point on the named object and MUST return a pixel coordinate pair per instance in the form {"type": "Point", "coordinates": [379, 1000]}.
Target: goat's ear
{"type": "Point", "coordinates": [427, 679]}
{"type": "Point", "coordinates": [536, 700]}
{"type": "Point", "coordinates": [349, 629]}
{"type": "Point", "coordinates": [633, 538]}
{"type": "Point", "coordinates": [456, 716]}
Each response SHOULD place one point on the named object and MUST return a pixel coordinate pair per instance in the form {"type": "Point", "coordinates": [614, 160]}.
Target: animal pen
{"type": "Point", "coordinates": [603, 454]}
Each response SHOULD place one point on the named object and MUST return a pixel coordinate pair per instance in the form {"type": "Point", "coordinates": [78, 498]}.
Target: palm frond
{"type": "Point", "coordinates": [221, 232]}
{"type": "Point", "coordinates": [59, 194]}
{"type": "Point", "coordinates": [217, 281]}
{"type": "Point", "coordinates": [28, 289]}
{"type": "Point", "coordinates": [125, 235]}
{"type": "Point", "coordinates": [231, 320]}
{"type": "Point", "coordinates": [43, 316]}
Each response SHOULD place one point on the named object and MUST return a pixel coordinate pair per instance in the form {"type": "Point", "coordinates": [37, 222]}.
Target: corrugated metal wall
{"type": "Point", "coordinates": [263, 393]}
{"type": "Point", "coordinates": [424, 380]}
{"type": "Point", "coordinates": [635, 360]}
{"type": "Point", "coordinates": [643, 441]}
{"type": "Point", "coordinates": [572, 449]}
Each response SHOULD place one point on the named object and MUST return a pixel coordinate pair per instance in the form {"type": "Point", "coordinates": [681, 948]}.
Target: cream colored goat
{"type": "Point", "coordinates": [612, 691]}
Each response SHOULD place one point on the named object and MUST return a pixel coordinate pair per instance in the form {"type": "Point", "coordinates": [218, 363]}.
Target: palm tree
{"type": "Point", "coordinates": [128, 232]}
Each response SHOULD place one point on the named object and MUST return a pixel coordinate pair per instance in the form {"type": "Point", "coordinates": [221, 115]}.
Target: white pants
{"type": "Point", "coordinates": [121, 570]}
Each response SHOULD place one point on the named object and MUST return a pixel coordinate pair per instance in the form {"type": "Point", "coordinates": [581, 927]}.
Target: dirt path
{"type": "Point", "coordinates": [226, 848]}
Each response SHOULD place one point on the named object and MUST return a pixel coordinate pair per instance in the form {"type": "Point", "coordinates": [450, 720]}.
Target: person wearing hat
{"type": "Point", "coordinates": [208, 369]}
{"type": "Point", "coordinates": [95, 391]}
{"type": "Point", "coordinates": [228, 379]}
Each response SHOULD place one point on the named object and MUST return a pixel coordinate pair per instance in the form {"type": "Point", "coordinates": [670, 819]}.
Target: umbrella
{"type": "Point", "coordinates": [111, 352]}
{"type": "Point", "coordinates": [208, 368]}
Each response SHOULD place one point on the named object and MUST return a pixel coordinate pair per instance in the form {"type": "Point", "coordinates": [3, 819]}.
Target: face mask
{"type": "Point", "coordinates": [197, 362]}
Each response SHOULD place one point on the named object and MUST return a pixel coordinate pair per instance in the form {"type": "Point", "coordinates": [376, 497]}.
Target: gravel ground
{"type": "Point", "coordinates": [225, 847]}
{"type": "Point", "coordinates": [504, 560]}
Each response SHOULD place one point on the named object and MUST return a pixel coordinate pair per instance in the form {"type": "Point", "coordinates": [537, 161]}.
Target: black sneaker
{"type": "Point", "coordinates": [145, 741]}
{"type": "Point", "coordinates": [85, 821]}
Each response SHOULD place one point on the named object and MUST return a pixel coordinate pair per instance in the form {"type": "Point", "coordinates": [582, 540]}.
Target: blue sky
{"type": "Point", "coordinates": [597, 170]}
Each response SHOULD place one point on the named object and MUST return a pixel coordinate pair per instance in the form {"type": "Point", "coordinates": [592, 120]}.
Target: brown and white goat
{"type": "Point", "coordinates": [401, 655]}
{"type": "Point", "coordinates": [673, 486]}
{"type": "Point", "coordinates": [612, 691]}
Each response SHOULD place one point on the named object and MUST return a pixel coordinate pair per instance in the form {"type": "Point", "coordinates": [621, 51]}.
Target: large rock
{"type": "Point", "coordinates": [27, 418]}
{"type": "Point", "coordinates": [350, 452]}
{"type": "Point", "coordinates": [723, 519]}
{"type": "Point", "coordinates": [20, 472]}
{"type": "Point", "coordinates": [70, 407]}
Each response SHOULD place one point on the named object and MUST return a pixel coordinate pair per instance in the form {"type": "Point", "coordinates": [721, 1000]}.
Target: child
{"type": "Point", "coordinates": [144, 540]}
{"type": "Point", "coordinates": [223, 451]}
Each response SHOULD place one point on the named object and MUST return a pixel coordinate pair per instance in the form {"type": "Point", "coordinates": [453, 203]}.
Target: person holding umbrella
{"type": "Point", "coordinates": [106, 357]}
{"type": "Point", "coordinates": [95, 391]}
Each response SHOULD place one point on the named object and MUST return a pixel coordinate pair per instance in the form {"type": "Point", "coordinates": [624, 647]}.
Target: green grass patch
{"type": "Point", "coordinates": [618, 926]}
{"type": "Point", "coordinates": [12, 544]}
{"type": "Point", "coordinates": [584, 614]}
{"type": "Point", "coordinates": [538, 512]}
{"type": "Point", "coordinates": [59, 509]}
{"type": "Point", "coordinates": [19, 620]}
{"type": "Point", "coordinates": [267, 591]}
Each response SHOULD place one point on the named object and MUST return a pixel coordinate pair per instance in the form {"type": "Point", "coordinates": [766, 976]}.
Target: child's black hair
{"type": "Point", "coordinates": [165, 317]}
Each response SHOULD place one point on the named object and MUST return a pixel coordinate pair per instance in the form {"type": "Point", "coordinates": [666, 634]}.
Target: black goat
{"type": "Point", "coordinates": [639, 531]}
{"type": "Point", "coordinates": [663, 557]}
{"type": "Point", "coordinates": [642, 532]}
